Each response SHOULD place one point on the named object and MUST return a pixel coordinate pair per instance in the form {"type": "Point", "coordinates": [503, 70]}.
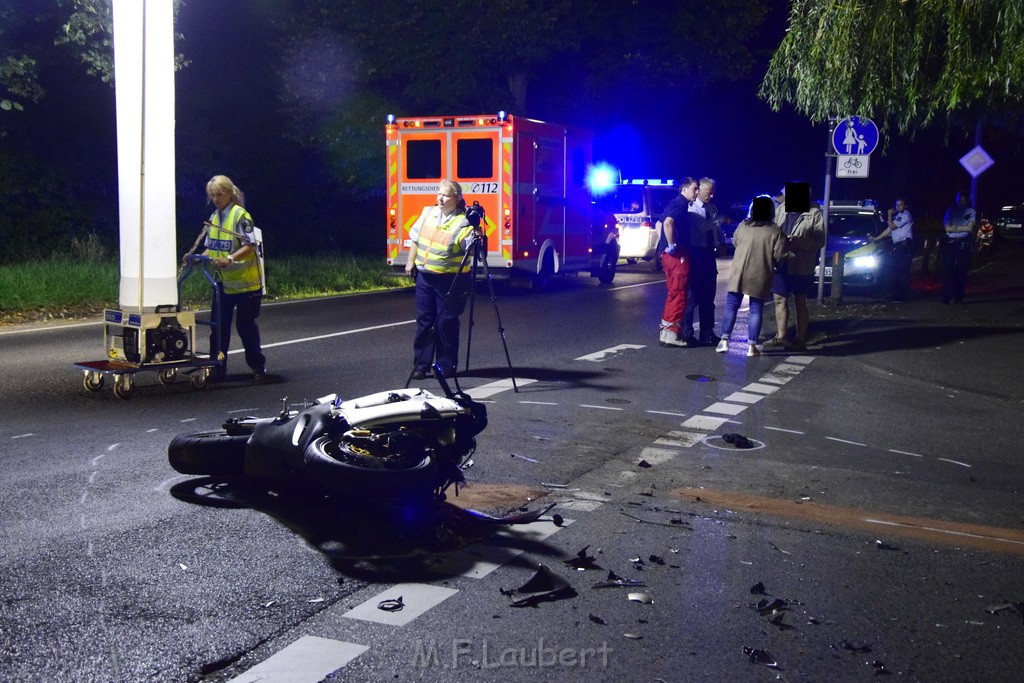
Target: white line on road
{"type": "Point", "coordinates": [587, 405]}
{"type": "Point", "coordinates": [328, 336]}
{"type": "Point", "coordinates": [955, 462]}
{"type": "Point", "coordinates": [788, 431]}
{"type": "Point", "coordinates": [852, 443]}
{"type": "Point", "coordinates": [307, 660]}
{"type": "Point", "coordinates": [664, 412]}
{"type": "Point", "coordinates": [486, 390]}
{"type": "Point", "coordinates": [539, 403]}
{"type": "Point", "coordinates": [942, 531]}
{"type": "Point", "coordinates": [22, 436]}
{"type": "Point", "coordinates": [893, 450]}
{"type": "Point", "coordinates": [704, 422]}
{"type": "Point", "coordinates": [599, 356]}
{"type": "Point", "coordinates": [417, 598]}
{"type": "Point", "coordinates": [725, 408]}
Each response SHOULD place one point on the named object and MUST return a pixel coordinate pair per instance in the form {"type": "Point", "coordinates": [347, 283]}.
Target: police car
{"type": "Point", "coordinates": [1011, 221]}
{"type": "Point", "coordinates": [633, 209]}
{"type": "Point", "coordinates": [851, 225]}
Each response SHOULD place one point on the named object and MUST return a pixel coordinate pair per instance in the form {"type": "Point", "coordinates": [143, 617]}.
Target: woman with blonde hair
{"type": "Point", "coordinates": [232, 248]}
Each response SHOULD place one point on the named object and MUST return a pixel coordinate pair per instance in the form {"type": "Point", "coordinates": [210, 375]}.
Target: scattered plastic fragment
{"type": "Point", "coordinates": [582, 560]}
{"type": "Point", "coordinates": [614, 580]}
{"type": "Point", "coordinates": [759, 656]}
{"type": "Point", "coordinates": [269, 604]}
{"type": "Point", "coordinates": [633, 636]}
{"type": "Point", "coordinates": [544, 586]}
{"type": "Point", "coordinates": [766, 606]}
{"type": "Point", "coordinates": [391, 605]}
{"type": "Point", "coordinates": [777, 620]}
{"type": "Point", "coordinates": [184, 567]}
{"type": "Point", "coordinates": [882, 545]}
{"type": "Point", "coordinates": [757, 588]}
{"type": "Point", "coordinates": [560, 487]}
{"type": "Point", "coordinates": [597, 620]}
{"type": "Point", "coordinates": [641, 597]}
{"type": "Point", "coordinates": [313, 601]}
{"type": "Point", "coordinates": [784, 552]}
{"type": "Point", "coordinates": [737, 440]}
{"type": "Point", "coordinates": [523, 457]}
{"type": "Point", "coordinates": [523, 518]}
{"type": "Point", "coordinates": [644, 464]}
{"type": "Point", "coordinates": [558, 519]}
{"type": "Point", "coordinates": [656, 559]}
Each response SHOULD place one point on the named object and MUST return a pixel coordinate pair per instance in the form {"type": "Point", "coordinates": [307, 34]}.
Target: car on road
{"type": "Point", "coordinates": [632, 210]}
{"type": "Point", "coordinates": [1010, 222]}
{"type": "Point", "coordinates": [851, 225]}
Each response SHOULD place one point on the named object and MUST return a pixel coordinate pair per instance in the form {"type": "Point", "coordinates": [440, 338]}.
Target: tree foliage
{"type": "Point", "coordinates": [901, 62]}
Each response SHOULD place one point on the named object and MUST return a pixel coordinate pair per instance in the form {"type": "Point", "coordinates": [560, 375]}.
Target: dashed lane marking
{"type": "Point", "coordinates": [985, 538]}
{"type": "Point", "coordinates": [417, 598]}
{"type": "Point", "coordinates": [705, 422]}
{"type": "Point", "coordinates": [852, 443]}
{"type": "Point", "coordinates": [725, 408]}
{"type": "Point", "coordinates": [600, 356]}
{"type": "Point", "coordinates": [759, 388]}
{"type": "Point", "coordinates": [954, 462]}
{"type": "Point", "coordinates": [658, 456]}
{"type": "Point", "coordinates": [307, 660]}
{"type": "Point", "coordinates": [743, 397]}
{"type": "Point", "coordinates": [587, 405]}
{"type": "Point", "coordinates": [893, 450]}
{"type": "Point", "coordinates": [680, 439]}
{"type": "Point", "coordinates": [794, 431]}
{"type": "Point", "coordinates": [492, 388]}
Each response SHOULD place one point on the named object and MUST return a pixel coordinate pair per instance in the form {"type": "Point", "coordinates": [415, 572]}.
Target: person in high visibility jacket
{"type": "Point", "coordinates": [232, 248]}
{"type": "Point", "coordinates": [441, 239]}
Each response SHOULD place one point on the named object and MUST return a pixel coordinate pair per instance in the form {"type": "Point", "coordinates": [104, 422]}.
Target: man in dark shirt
{"type": "Point", "coordinates": [675, 260]}
{"type": "Point", "coordinates": [703, 279]}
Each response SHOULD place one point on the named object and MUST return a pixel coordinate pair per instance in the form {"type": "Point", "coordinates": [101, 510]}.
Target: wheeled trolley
{"type": "Point", "coordinates": [163, 342]}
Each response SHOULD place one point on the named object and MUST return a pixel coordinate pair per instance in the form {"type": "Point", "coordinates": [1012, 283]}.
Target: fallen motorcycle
{"type": "Point", "coordinates": [404, 443]}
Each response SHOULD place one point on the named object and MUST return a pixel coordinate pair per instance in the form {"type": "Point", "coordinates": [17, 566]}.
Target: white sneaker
{"type": "Point", "coordinates": [723, 345]}
{"type": "Point", "coordinates": [670, 338]}
{"type": "Point", "coordinates": [752, 350]}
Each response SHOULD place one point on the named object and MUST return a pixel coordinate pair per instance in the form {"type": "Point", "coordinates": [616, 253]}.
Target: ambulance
{"type": "Point", "coordinates": [527, 175]}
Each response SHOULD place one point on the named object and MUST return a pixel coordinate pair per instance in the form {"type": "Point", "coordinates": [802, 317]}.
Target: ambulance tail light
{"type": "Point", "coordinates": [393, 221]}
{"type": "Point", "coordinates": [508, 220]}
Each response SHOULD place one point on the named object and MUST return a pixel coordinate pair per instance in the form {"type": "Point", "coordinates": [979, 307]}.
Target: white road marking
{"type": "Point", "coordinates": [852, 443]}
{"type": "Point", "coordinates": [760, 388]}
{"type": "Point", "coordinates": [486, 390]}
{"type": "Point", "coordinates": [657, 456]}
{"type": "Point", "coordinates": [580, 505]}
{"type": "Point", "coordinates": [681, 439]}
{"type": "Point", "coordinates": [641, 284]}
{"type": "Point", "coordinates": [600, 356]}
{"type": "Point", "coordinates": [725, 408]}
{"type": "Point", "coordinates": [704, 422]}
{"type": "Point", "coordinates": [800, 359]}
{"type": "Point", "coordinates": [417, 598]}
{"type": "Point", "coordinates": [484, 558]}
{"type": "Point", "coordinates": [22, 436]}
{"type": "Point", "coordinates": [663, 412]}
{"type": "Point", "coordinates": [587, 405]}
{"type": "Point", "coordinates": [775, 379]}
{"type": "Point", "coordinates": [955, 462]}
{"type": "Point", "coordinates": [893, 450]}
{"type": "Point", "coordinates": [328, 336]}
{"type": "Point", "coordinates": [539, 403]}
{"type": "Point", "coordinates": [943, 531]}
{"type": "Point", "coordinates": [742, 397]}
{"type": "Point", "coordinates": [788, 367]}
{"type": "Point", "coordinates": [788, 431]}
{"type": "Point", "coordinates": [308, 660]}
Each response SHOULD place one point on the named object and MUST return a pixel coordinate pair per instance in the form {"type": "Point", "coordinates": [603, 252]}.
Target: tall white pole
{"type": "Point", "coordinates": [144, 94]}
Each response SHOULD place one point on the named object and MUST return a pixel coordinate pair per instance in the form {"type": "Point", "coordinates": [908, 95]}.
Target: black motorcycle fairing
{"type": "Point", "coordinates": [275, 449]}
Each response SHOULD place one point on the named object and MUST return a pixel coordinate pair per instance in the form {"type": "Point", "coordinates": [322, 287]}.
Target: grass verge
{"type": "Point", "coordinates": [69, 289]}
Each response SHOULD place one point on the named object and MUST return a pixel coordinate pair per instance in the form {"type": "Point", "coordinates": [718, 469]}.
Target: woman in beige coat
{"type": "Point", "coordinates": [760, 246]}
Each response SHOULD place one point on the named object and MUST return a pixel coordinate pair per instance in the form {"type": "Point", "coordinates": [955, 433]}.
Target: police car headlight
{"type": "Point", "coordinates": [865, 262]}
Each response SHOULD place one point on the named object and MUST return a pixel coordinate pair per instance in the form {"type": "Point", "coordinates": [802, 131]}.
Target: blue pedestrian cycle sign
{"type": "Point", "coordinates": [855, 136]}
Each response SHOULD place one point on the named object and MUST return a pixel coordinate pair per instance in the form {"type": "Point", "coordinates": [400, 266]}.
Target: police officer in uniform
{"type": "Point", "coordinates": [231, 246]}
{"type": "Point", "coordinates": [441, 236]}
{"type": "Point", "coordinates": [960, 222]}
{"type": "Point", "coordinates": [897, 263]}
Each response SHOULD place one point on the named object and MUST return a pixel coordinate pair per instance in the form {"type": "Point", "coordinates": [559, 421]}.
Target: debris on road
{"type": "Point", "coordinates": [391, 605]}
{"type": "Point", "coordinates": [544, 586]}
{"type": "Point", "coordinates": [582, 561]}
{"type": "Point", "coordinates": [614, 580]}
{"type": "Point", "coordinates": [758, 656]}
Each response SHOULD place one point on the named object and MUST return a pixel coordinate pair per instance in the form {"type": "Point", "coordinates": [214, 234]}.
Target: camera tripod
{"type": "Point", "coordinates": [477, 253]}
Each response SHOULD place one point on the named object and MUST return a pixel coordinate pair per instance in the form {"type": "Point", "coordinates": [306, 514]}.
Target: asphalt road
{"type": "Point", "coordinates": [880, 503]}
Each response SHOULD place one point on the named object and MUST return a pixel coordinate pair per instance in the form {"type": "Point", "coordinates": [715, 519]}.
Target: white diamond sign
{"type": "Point", "coordinates": [976, 161]}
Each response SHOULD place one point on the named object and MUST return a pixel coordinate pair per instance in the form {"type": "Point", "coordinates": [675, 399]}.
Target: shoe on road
{"type": "Point", "coordinates": [776, 341]}
{"type": "Point", "coordinates": [723, 345]}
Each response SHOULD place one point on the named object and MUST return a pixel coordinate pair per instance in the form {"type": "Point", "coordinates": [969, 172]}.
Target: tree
{"type": "Point", "coordinates": [901, 62]}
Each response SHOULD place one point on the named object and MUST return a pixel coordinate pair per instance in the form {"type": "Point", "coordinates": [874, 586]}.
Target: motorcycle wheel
{"type": "Point", "coordinates": [414, 477]}
{"type": "Point", "coordinates": [211, 453]}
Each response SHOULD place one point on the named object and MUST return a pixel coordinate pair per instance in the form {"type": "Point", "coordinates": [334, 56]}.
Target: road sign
{"type": "Point", "coordinates": [853, 166]}
{"type": "Point", "coordinates": [976, 161]}
{"type": "Point", "coordinates": [855, 136]}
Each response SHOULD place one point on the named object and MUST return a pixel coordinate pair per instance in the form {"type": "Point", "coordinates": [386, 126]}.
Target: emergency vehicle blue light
{"type": "Point", "coordinates": [601, 178]}
{"type": "Point", "coordinates": [502, 116]}
{"type": "Point", "coordinates": [391, 118]}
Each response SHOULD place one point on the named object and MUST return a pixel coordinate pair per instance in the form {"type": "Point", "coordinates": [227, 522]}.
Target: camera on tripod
{"type": "Point", "coordinates": [475, 214]}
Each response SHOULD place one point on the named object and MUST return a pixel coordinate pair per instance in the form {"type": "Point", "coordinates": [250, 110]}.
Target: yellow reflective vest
{"type": "Point", "coordinates": [244, 274]}
{"type": "Point", "coordinates": [441, 247]}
